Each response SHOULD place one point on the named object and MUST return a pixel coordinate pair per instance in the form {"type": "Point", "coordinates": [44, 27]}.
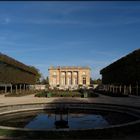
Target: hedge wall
{"type": "Point", "coordinates": [12, 71]}
{"type": "Point", "coordinates": [8, 60]}
{"type": "Point", "coordinates": [124, 71]}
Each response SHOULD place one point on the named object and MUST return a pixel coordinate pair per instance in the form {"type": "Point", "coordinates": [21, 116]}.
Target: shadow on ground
{"type": "Point", "coordinates": [115, 133]}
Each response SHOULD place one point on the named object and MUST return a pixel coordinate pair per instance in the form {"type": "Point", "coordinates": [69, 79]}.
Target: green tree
{"type": "Point", "coordinates": [91, 81]}
{"type": "Point", "coordinates": [97, 81]}
{"type": "Point", "coordinates": [38, 74]}
{"type": "Point", "coordinates": [44, 81]}
{"type": "Point", "coordinates": [47, 80]}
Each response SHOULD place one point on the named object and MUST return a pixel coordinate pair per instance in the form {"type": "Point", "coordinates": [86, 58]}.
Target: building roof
{"type": "Point", "coordinates": [69, 67]}
{"type": "Point", "coordinates": [8, 60]}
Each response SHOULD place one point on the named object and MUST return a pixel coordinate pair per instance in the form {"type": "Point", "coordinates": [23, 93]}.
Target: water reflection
{"type": "Point", "coordinates": [43, 121]}
{"type": "Point", "coordinates": [61, 117]}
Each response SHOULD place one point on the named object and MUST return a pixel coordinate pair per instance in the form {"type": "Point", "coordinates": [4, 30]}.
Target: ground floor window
{"type": "Point", "coordinates": [84, 80]}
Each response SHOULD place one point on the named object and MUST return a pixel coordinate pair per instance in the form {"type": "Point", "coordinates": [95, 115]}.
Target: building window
{"type": "Point", "coordinates": [75, 81]}
{"type": "Point", "coordinates": [69, 81]}
{"type": "Point", "coordinates": [84, 73]}
{"type": "Point", "coordinates": [75, 73]}
{"type": "Point", "coordinates": [54, 81]}
{"type": "Point", "coordinates": [54, 73]}
{"type": "Point", "coordinates": [84, 80]}
{"type": "Point", "coordinates": [63, 73]}
{"type": "Point", "coordinates": [69, 73]}
{"type": "Point", "coordinates": [63, 81]}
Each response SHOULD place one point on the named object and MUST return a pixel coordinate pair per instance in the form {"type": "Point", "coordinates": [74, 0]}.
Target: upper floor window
{"type": "Point", "coordinates": [62, 73]}
{"type": "Point", "coordinates": [84, 73]}
{"type": "Point", "coordinates": [75, 73]}
{"type": "Point", "coordinates": [69, 73]}
{"type": "Point", "coordinates": [54, 73]}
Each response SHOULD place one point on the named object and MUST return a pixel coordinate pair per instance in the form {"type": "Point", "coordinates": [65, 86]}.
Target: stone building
{"type": "Point", "coordinates": [69, 77]}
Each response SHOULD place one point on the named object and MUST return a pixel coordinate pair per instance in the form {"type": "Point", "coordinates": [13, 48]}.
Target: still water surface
{"type": "Point", "coordinates": [45, 121]}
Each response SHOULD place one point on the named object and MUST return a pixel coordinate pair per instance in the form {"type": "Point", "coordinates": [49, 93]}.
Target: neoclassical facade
{"type": "Point", "coordinates": [69, 77]}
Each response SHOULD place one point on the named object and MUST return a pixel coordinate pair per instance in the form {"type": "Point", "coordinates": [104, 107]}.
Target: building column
{"type": "Point", "coordinates": [124, 90]}
{"type": "Point", "coordinates": [113, 88]}
{"type": "Point", "coordinates": [59, 77]}
{"type": "Point", "coordinates": [130, 89]}
{"type": "Point", "coordinates": [137, 88]}
{"type": "Point", "coordinates": [5, 88]}
{"type": "Point", "coordinates": [72, 79]}
{"type": "Point", "coordinates": [66, 82]}
{"type": "Point", "coordinates": [77, 77]}
{"type": "Point", "coordinates": [80, 78]}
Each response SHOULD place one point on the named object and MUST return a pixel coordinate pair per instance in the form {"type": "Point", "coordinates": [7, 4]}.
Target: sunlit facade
{"type": "Point", "coordinates": [69, 77]}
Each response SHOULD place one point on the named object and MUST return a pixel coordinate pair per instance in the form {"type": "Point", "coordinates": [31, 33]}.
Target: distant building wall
{"type": "Point", "coordinates": [38, 87]}
{"type": "Point", "coordinates": [69, 77]}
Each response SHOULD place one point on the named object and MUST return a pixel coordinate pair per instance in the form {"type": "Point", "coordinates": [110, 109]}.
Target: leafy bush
{"type": "Point", "coordinates": [62, 93]}
{"type": "Point", "coordinates": [41, 94]}
{"type": "Point", "coordinates": [54, 93]}
{"type": "Point", "coordinates": [81, 90]}
{"type": "Point", "coordinates": [91, 93]}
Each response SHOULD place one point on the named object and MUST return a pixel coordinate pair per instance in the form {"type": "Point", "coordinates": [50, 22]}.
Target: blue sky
{"type": "Point", "coordinates": [45, 34]}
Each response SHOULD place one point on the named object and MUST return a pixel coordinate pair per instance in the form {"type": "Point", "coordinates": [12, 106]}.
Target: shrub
{"type": "Point", "coordinates": [41, 94]}
{"type": "Point", "coordinates": [62, 93]}
{"type": "Point", "coordinates": [91, 93]}
{"type": "Point", "coordinates": [58, 94]}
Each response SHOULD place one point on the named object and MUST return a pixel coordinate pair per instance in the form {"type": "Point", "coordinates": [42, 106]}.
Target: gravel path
{"type": "Point", "coordinates": [130, 101]}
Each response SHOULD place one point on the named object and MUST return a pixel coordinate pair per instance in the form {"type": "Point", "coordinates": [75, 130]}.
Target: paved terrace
{"type": "Point", "coordinates": [30, 99]}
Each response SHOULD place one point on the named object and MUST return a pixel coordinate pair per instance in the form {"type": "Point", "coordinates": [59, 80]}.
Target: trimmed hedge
{"type": "Point", "coordinates": [61, 93]}
{"type": "Point", "coordinates": [8, 60]}
{"type": "Point", "coordinates": [58, 94]}
{"type": "Point", "coordinates": [124, 71]}
{"type": "Point", "coordinates": [14, 72]}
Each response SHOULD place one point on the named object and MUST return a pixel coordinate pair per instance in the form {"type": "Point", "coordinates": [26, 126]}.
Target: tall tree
{"type": "Point", "coordinates": [97, 81]}
{"type": "Point", "coordinates": [38, 75]}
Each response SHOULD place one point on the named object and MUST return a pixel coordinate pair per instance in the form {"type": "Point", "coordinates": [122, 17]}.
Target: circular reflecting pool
{"type": "Point", "coordinates": [50, 119]}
